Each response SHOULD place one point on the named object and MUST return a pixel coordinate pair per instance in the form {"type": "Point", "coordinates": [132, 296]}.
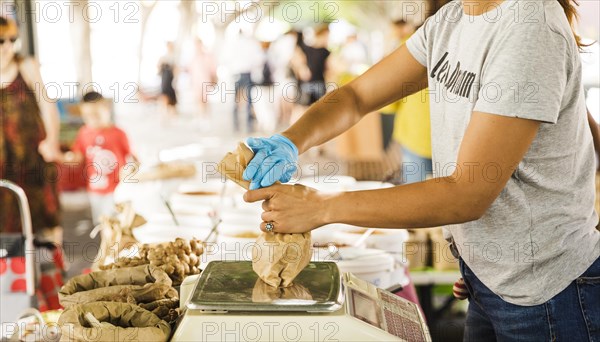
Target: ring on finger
{"type": "Point", "coordinates": [269, 226]}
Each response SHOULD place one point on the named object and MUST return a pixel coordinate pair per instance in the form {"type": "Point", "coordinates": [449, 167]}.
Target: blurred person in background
{"type": "Point", "coordinates": [400, 30]}
{"type": "Point", "coordinates": [104, 148]}
{"type": "Point", "coordinates": [282, 52]}
{"type": "Point", "coordinates": [203, 74]}
{"type": "Point", "coordinates": [167, 70]}
{"type": "Point", "coordinates": [29, 143]}
{"type": "Point", "coordinates": [265, 103]}
{"type": "Point", "coordinates": [243, 56]}
{"type": "Point", "coordinates": [353, 55]}
{"type": "Point", "coordinates": [412, 130]}
{"type": "Point", "coordinates": [407, 121]}
{"type": "Point", "coordinates": [312, 83]}
{"type": "Point", "coordinates": [29, 146]}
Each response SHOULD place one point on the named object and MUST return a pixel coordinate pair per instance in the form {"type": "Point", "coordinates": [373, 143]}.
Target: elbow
{"type": "Point", "coordinates": [472, 214]}
{"type": "Point", "coordinates": [474, 205]}
{"type": "Point", "coordinates": [358, 105]}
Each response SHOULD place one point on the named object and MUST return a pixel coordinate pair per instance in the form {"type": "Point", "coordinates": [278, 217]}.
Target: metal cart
{"type": "Point", "coordinates": [15, 246]}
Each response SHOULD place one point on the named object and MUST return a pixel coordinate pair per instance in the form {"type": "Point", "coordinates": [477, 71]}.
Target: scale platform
{"type": "Point", "coordinates": [226, 286]}
{"type": "Point", "coordinates": [229, 303]}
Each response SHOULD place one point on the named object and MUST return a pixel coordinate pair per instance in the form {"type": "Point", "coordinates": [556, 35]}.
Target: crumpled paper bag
{"type": "Point", "coordinates": [234, 163]}
{"type": "Point", "coordinates": [276, 258]}
{"type": "Point", "coordinates": [279, 258]}
{"type": "Point", "coordinates": [141, 284]}
{"type": "Point", "coordinates": [118, 322]}
{"type": "Point", "coordinates": [265, 293]}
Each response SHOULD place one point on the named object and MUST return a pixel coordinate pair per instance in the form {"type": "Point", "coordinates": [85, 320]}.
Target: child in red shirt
{"type": "Point", "coordinates": [105, 150]}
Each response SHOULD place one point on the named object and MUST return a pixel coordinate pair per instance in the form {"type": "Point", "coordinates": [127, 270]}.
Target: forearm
{"type": "Point", "coordinates": [51, 121]}
{"type": "Point", "coordinates": [328, 118]}
{"type": "Point", "coordinates": [432, 203]}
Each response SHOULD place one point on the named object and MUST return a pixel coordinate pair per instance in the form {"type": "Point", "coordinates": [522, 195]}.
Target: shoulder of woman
{"type": "Point", "coordinates": [29, 64]}
{"type": "Point", "coordinates": [30, 69]}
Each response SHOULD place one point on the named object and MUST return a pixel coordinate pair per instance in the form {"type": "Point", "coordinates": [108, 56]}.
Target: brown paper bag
{"type": "Point", "coordinates": [279, 258]}
{"type": "Point", "coordinates": [265, 293]}
{"type": "Point", "coordinates": [119, 322]}
{"type": "Point", "coordinates": [234, 163]}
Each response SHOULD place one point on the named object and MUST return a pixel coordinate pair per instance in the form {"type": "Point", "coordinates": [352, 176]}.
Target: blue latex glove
{"type": "Point", "coordinates": [275, 159]}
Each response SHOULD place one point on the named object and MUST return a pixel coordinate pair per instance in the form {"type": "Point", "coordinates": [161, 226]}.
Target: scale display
{"type": "Point", "coordinates": [234, 286]}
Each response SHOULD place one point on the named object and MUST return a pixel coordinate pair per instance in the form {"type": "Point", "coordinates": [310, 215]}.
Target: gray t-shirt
{"type": "Point", "coordinates": [519, 60]}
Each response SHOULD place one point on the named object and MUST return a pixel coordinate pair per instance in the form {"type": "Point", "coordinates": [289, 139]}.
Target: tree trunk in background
{"type": "Point", "coordinates": [80, 39]}
{"type": "Point", "coordinates": [146, 12]}
{"type": "Point", "coordinates": [187, 21]}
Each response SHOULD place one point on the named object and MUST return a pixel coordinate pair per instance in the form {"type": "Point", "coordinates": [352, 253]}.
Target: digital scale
{"type": "Point", "coordinates": [228, 302]}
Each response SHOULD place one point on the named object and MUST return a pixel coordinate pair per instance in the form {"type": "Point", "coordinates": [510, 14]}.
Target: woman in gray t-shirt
{"type": "Point", "coordinates": [513, 164]}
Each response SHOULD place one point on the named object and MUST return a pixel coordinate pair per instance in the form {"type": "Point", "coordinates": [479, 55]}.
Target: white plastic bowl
{"type": "Point", "coordinates": [372, 265]}
{"type": "Point", "coordinates": [390, 240]}
{"type": "Point", "coordinates": [161, 218]}
{"type": "Point", "coordinates": [157, 233]}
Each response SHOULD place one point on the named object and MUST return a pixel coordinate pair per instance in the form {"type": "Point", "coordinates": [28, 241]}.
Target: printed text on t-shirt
{"type": "Point", "coordinates": [459, 82]}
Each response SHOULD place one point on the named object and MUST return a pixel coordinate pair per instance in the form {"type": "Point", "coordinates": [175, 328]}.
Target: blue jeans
{"type": "Point", "coordinates": [572, 315]}
{"type": "Point", "coordinates": [243, 84]}
{"type": "Point", "coordinates": [414, 167]}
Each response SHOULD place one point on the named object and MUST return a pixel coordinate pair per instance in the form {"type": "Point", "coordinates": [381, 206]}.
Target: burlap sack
{"type": "Point", "coordinates": [141, 284]}
{"type": "Point", "coordinates": [279, 258]}
{"type": "Point", "coordinates": [265, 293]}
{"type": "Point", "coordinates": [234, 163]}
{"type": "Point", "coordinates": [119, 322]}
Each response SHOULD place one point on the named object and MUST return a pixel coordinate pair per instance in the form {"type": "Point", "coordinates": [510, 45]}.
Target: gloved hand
{"type": "Point", "coordinates": [275, 159]}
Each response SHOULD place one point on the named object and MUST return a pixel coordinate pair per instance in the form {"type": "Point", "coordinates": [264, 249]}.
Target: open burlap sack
{"type": "Point", "coordinates": [279, 258]}
{"type": "Point", "coordinates": [265, 293]}
{"type": "Point", "coordinates": [118, 322]}
{"type": "Point", "coordinates": [234, 163]}
{"type": "Point", "coordinates": [141, 284]}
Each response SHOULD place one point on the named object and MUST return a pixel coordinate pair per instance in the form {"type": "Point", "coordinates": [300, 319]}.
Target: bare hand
{"type": "Point", "coordinates": [291, 208]}
{"type": "Point", "coordinates": [50, 151]}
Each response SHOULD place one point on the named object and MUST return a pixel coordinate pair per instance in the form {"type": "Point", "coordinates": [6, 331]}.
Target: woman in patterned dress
{"type": "Point", "coordinates": [28, 142]}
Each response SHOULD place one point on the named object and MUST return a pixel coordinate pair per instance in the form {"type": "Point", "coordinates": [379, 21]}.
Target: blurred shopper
{"type": "Point", "coordinates": [168, 71]}
{"type": "Point", "coordinates": [244, 56]}
{"type": "Point", "coordinates": [29, 143]}
{"type": "Point", "coordinates": [104, 148]}
{"type": "Point", "coordinates": [203, 73]}
{"type": "Point", "coordinates": [412, 130]}
{"type": "Point", "coordinates": [512, 172]}
{"type": "Point", "coordinates": [265, 103]}
{"type": "Point", "coordinates": [354, 56]}
{"type": "Point", "coordinates": [286, 86]}
{"type": "Point", "coordinates": [400, 30]}
{"type": "Point", "coordinates": [29, 146]}
{"type": "Point", "coordinates": [312, 86]}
